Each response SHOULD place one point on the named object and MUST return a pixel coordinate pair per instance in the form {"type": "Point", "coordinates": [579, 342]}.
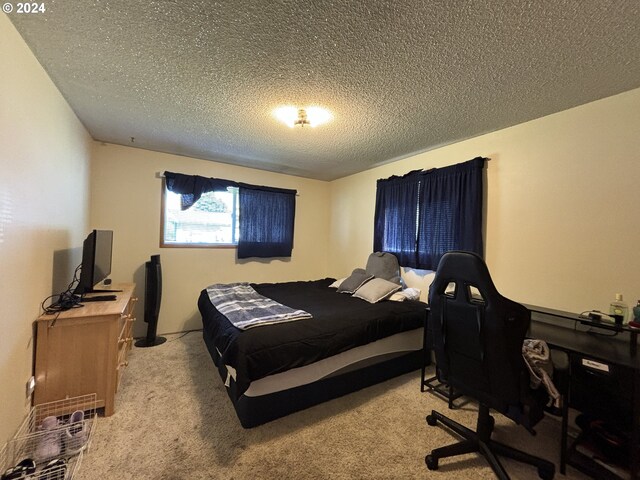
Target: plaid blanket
{"type": "Point", "coordinates": [245, 308]}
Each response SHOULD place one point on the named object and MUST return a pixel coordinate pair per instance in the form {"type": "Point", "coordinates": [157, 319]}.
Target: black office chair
{"type": "Point", "coordinates": [477, 339]}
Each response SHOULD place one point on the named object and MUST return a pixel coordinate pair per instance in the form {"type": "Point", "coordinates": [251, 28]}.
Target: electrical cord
{"type": "Point", "coordinates": [65, 300]}
{"type": "Point", "coordinates": [185, 333]}
{"type": "Point", "coordinates": [595, 330]}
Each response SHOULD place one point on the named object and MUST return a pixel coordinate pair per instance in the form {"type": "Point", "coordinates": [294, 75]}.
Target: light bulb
{"type": "Point", "coordinates": [291, 116]}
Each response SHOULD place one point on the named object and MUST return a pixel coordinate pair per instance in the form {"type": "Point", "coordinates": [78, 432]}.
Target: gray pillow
{"type": "Point", "coordinates": [384, 265]}
{"type": "Point", "coordinates": [354, 281]}
{"type": "Point", "coordinates": [377, 289]}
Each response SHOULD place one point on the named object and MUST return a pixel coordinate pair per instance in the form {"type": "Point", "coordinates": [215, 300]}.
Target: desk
{"type": "Point", "coordinates": [615, 393]}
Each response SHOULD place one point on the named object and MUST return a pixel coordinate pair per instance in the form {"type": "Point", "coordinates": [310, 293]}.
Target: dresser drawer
{"type": "Point", "coordinates": [125, 340]}
{"type": "Point", "coordinates": [122, 363]}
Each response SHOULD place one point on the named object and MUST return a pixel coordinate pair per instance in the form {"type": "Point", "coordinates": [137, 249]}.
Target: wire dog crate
{"type": "Point", "coordinates": [52, 440]}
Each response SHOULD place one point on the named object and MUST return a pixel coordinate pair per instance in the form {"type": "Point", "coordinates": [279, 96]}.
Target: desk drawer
{"type": "Point", "coordinates": [602, 389]}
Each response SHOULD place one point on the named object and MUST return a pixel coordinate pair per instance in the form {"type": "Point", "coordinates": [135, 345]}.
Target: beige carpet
{"type": "Point", "coordinates": [174, 420]}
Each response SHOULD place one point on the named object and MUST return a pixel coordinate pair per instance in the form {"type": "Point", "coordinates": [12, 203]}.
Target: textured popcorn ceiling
{"type": "Point", "coordinates": [201, 78]}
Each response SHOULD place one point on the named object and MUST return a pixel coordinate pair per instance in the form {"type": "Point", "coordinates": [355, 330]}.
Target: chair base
{"type": "Point", "coordinates": [480, 442]}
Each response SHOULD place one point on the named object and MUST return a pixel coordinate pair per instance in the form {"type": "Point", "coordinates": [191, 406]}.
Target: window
{"type": "Point", "coordinates": [210, 221]}
{"type": "Point", "coordinates": [424, 214]}
{"type": "Point", "coordinates": [203, 212]}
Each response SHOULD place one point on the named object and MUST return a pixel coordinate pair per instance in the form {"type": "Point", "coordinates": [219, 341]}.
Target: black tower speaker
{"type": "Point", "coordinates": [152, 298]}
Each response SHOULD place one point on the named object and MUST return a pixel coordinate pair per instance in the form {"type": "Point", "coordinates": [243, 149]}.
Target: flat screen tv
{"type": "Point", "coordinates": [96, 260]}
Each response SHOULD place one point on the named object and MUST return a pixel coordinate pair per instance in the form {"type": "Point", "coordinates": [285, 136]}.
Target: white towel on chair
{"type": "Point", "coordinates": [537, 356]}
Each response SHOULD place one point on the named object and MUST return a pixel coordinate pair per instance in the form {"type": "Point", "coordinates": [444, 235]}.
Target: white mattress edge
{"type": "Point", "coordinates": [401, 342]}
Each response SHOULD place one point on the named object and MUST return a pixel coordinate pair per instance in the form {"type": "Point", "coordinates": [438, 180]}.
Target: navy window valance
{"type": "Point", "coordinates": [424, 214]}
{"type": "Point", "coordinates": [266, 214]}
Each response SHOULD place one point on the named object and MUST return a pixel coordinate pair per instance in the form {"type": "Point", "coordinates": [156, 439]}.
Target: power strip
{"type": "Point", "coordinates": [598, 316]}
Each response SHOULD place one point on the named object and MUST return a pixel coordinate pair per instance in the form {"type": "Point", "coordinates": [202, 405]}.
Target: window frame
{"type": "Point", "coordinates": [164, 244]}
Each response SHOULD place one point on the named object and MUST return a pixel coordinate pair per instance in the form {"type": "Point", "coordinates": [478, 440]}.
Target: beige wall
{"type": "Point", "coordinates": [563, 194]}
{"type": "Point", "coordinates": [44, 160]}
{"type": "Point", "coordinates": [125, 197]}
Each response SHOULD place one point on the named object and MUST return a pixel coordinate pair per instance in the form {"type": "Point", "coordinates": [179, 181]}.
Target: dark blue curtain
{"type": "Point", "coordinates": [191, 187]}
{"type": "Point", "coordinates": [266, 222]}
{"type": "Point", "coordinates": [450, 212]}
{"type": "Point", "coordinates": [424, 214]}
{"type": "Point", "coordinates": [396, 216]}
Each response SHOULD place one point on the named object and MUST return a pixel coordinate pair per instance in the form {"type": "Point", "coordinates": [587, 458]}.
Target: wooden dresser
{"type": "Point", "coordinates": [84, 350]}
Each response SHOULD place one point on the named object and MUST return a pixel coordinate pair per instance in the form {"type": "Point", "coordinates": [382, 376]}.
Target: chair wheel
{"type": "Point", "coordinates": [431, 420]}
{"type": "Point", "coordinates": [432, 463]}
{"type": "Point", "coordinates": [546, 473]}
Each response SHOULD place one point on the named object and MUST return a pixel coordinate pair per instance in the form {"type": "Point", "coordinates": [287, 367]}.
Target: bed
{"type": "Point", "coordinates": [348, 344]}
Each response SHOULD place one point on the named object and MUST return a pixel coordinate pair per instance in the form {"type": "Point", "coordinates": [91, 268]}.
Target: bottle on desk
{"type": "Point", "coordinates": [636, 316]}
{"type": "Point", "coordinates": [619, 310]}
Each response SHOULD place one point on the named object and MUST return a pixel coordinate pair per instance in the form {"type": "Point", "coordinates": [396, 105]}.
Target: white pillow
{"type": "Point", "coordinates": [376, 289]}
{"type": "Point", "coordinates": [337, 283]}
{"type": "Point", "coordinates": [406, 294]}
{"type": "Point", "coordinates": [397, 297]}
{"type": "Point", "coordinates": [420, 279]}
{"type": "Point", "coordinates": [412, 293]}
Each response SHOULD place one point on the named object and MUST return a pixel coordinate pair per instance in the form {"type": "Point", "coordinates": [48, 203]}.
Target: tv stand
{"type": "Point", "coordinates": [84, 350]}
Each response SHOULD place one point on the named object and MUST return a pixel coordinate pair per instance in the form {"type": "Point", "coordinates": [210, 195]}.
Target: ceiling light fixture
{"type": "Point", "coordinates": [302, 119]}
{"type": "Point", "coordinates": [310, 116]}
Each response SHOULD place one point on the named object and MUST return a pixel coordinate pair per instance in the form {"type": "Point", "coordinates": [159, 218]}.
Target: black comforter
{"type": "Point", "coordinates": [340, 322]}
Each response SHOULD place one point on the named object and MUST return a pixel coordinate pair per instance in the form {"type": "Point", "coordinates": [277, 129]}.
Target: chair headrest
{"type": "Point", "coordinates": [464, 269]}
